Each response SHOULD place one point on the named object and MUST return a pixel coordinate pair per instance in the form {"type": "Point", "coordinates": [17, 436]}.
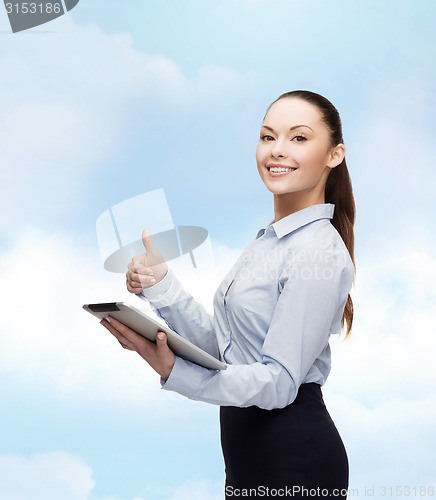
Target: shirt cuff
{"type": "Point", "coordinates": [157, 293]}
{"type": "Point", "coordinates": [186, 378]}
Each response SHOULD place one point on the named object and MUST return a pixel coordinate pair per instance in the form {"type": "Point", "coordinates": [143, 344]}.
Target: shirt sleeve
{"type": "Point", "coordinates": [183, 314]}
{"type": "Point", "coordinates": [313, 296]}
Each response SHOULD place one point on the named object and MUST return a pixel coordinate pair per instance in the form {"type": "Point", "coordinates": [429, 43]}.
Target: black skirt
{"type": "Point", "coordinates": [296, 449]}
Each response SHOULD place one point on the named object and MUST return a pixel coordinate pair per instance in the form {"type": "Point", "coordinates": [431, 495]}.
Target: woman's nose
{"type": "Point", "coordinates": [279, 149]}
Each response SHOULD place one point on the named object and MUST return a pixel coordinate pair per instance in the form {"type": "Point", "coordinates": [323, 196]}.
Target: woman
{"type": "Point", "coordinates": [273, 313]}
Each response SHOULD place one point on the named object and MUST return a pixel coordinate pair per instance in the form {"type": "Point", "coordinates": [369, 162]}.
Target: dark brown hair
{"type": "Point", "coordinates": [338, 189]}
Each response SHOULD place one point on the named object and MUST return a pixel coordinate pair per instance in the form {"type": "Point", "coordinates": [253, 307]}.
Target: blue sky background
{"type": "Point", "coordinates": [120, 98]}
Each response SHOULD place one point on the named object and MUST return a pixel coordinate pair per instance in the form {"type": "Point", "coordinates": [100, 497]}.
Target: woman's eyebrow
{"type": "Point", "coordinates": [292, 128]}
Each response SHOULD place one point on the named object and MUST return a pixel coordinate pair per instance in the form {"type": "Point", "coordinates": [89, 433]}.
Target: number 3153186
{"type": "Point", "coordinates": [34, 8]}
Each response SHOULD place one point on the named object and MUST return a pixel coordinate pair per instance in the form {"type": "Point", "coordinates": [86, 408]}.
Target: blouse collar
{"type": "Point", "coordinates": [298, 219]}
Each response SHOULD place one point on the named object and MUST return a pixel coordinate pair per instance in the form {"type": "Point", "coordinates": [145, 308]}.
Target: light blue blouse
{"type": "Point", "coordinates": [273, 314]}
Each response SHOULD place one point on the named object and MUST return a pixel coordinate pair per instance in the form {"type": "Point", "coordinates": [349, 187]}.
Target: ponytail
{"type": "Point", "coordinates": [339, 191]}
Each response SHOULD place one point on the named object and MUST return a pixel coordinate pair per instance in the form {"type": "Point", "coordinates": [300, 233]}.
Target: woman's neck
{"type": "Point", "coordinates": [289, 203]}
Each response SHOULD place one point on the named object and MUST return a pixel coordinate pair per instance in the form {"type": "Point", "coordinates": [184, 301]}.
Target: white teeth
{"type": "Point", "coordinates": [280, 169]}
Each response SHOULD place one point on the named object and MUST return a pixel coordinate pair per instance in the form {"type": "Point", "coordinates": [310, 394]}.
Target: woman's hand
{"type": "Point", "coordinates": [146, 269]}
{"type": "Point", "coordinates": [159, 356]}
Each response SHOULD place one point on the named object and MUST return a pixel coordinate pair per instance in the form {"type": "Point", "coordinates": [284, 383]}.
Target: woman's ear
{"type": "Point", "coordinates": [336, 156]}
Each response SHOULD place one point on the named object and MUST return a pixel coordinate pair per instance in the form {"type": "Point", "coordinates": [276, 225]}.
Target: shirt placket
{"type": "Point", "coordinates": [244, 263]}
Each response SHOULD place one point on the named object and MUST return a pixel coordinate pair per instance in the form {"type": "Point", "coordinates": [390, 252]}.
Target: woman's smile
{"type": "Point", "coordinates": [278, 170]}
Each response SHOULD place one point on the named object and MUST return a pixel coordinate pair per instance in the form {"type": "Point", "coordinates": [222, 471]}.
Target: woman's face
{"type": "Point", "coordinates": [294, 136]}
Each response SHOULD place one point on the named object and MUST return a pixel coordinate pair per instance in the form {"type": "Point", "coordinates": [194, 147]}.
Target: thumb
{"type": "Point", "coordinates": [161, 342]}
{"type": "Point", "coordinates": [146, 240]}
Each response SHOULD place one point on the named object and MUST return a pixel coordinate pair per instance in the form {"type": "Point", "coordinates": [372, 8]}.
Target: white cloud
{"type": "Point", "coordinates": [392, 341]}
{"type": "Point", "coordinates": [62, 476]}
{"type": "Point", "coordinates": [50, 476]}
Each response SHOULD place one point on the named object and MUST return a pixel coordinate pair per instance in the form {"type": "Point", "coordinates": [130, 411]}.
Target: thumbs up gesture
{"type": "Point", "coordinates": [146, 269]}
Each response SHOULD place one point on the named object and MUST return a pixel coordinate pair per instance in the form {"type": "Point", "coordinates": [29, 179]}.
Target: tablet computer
{"type": "Point", "coordinates": [147, 326]}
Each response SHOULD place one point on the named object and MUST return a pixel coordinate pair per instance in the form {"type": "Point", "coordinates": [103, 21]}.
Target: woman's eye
{"type": "Point", "coordinates": [266, 137]}
{"type": "Point", "coordinates": [300, 137]}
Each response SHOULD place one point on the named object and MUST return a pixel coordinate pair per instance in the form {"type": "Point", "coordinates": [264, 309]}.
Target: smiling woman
{"type": "Point", "coordinates": [274, 313]}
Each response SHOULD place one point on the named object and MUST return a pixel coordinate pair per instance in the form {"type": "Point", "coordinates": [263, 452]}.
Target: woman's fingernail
{"type": "Point", "coordinates": [160, 336]}
{"type": "Point", "coordinates": [152, 280]}
{"type": "Point", "coordinates": [108, 320]}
